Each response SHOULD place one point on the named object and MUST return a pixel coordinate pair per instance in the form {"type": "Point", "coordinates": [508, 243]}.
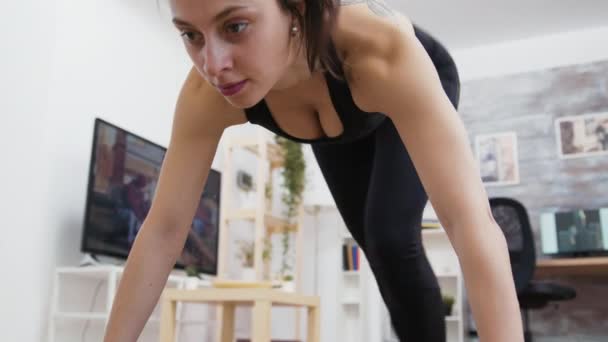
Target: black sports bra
{"type": "Point", "coordinates": [356, 122]}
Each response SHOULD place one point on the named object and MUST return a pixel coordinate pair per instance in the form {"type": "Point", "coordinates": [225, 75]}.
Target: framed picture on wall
{"type": "Point", "coordinates": [582, 135]}
{"type": "Point", "coordinates": [497, 158]}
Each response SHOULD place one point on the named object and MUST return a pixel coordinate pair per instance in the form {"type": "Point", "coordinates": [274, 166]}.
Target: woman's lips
{"type": "Point", "coordinates": [232, 88]}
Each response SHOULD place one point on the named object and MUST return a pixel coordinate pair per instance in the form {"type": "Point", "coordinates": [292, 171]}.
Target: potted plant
{"type": "Point", "coordinates": [448, 303]}
{"type": "Point", "coordinates": [266, 256]}
{"type": "Point", "coordinates": [246, 251]}
{"type": "Point", "coordinates": [268, 196]}
{"type": "Point", "coordinates": [193, 277]}
{"type": "Point", "coordinates": [288, 283]}
{"type": "Point", "coordinates": [293, 173]}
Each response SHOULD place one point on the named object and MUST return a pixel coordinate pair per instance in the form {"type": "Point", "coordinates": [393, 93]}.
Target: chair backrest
{"type": "Point", "coordinates": [512, 218]}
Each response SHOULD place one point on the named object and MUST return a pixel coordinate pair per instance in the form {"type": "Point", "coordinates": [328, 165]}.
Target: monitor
{"type": "Point", "coordinates": [580, 232]}
{"type": "Point", "coordinates": [123, 173]}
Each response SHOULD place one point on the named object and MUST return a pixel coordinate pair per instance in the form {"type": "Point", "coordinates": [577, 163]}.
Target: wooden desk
{"type": "Point", "coordinates": [571, 267]}
{"type": "Point", "coordinates": [261, 299]}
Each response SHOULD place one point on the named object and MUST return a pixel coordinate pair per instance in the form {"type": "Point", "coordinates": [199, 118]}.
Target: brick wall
{"type": "Point", "coordinates": [528, 104]}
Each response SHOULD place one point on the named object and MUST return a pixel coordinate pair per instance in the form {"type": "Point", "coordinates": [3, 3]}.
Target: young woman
{"type": "Point", "coordinates": [356, 82]}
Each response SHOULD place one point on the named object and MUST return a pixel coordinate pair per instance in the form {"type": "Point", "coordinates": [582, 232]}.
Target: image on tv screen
{"type": "Point", "coordinates": [579, 230]}
{"type": "Point", "coordinates": [122, 182]}
{"type": "Point", "coordinates": [575, 231]}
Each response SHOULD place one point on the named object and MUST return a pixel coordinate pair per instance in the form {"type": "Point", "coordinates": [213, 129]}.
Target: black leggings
{"type": "Point", "coordinates": [380, 198]}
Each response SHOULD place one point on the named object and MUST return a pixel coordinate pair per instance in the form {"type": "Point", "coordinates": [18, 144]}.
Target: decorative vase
{"type": "Point", "coordinates": [191, 283]}
{"type": "Point", "coordinates": [448, 309]}
{"type": "Point", "coordinates": [288, 286]}
{"type": "Point", "coordinates": [248, 274]}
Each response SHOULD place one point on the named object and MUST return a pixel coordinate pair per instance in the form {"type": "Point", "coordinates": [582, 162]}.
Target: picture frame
{"type": "Point", "coordinates": [497, 158]}
{"type": "Point", "coordinates": [582, 135]}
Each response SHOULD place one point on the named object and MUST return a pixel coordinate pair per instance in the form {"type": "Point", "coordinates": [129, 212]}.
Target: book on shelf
{"type": "Point", "coordinates": [430, 224]}
{"type": "Point", "coordinates": [351, 256]}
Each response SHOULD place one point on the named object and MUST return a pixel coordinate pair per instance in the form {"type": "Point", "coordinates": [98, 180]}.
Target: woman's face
{"type": "Point", "coordinates": [236, 41]}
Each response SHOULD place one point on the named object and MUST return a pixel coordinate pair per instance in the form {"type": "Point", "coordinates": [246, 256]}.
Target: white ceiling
{"type": "Point", "coordinates": [469, 23]}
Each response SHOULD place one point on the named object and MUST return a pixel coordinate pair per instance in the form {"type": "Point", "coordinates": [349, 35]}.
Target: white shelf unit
{"type": "Point", "coordinates": [350, 300]}
{"type": "Point", "coordinates": [82, 300]}
{"type": "Point", "coordinates": [265, 224]}
{"type": "Point", "coordinates": [352, 294]}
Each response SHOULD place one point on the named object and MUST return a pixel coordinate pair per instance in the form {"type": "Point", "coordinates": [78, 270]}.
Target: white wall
{"type": "Point", "coordinates": [533, 54]}
{"type": "Point", "coordinates": [26, 60]}
{"type": "Point", "coordinates": [65, 62]}
{"type": "Point", "coordinates": [116, 60]}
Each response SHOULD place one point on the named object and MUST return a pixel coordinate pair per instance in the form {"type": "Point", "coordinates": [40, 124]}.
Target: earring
{"type": "Point", "coordinates": [294, 30]}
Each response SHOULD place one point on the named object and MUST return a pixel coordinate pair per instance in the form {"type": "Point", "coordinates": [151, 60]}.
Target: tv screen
{"type": "Point", "coordinates": [123, 174]}
{"type": "Point", "coordinates": [575, 232]}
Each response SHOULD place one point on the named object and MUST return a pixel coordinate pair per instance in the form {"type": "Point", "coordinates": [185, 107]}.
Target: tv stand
{"type": "Point", "coordinates": [89, 260]}
{"type": "Point", "coordinates": [86, 294]}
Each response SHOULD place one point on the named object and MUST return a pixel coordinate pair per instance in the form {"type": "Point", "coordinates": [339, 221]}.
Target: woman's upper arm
{"type": "Point", "coordinates": [404, 84]}
{"type": "Point", "coordinates": [201, 115]}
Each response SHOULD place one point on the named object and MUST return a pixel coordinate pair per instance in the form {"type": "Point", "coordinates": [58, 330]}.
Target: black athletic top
{"type": "Point", "coordinates": [356, 122]}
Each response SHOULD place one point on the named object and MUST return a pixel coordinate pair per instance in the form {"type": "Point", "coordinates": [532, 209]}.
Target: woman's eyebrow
{"type": "Point", "coordinates": [224, 13]}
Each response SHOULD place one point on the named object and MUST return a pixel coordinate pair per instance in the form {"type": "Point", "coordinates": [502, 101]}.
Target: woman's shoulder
{"type": "Point", "coordinates": [369, 29]}
{"type": "Point", "coordinates": [370, 39]}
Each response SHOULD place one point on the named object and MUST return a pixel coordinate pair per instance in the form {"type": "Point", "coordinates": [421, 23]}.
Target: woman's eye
{"type": "Point", "coordinates": [190, 36]}
{"type": "Point", "coordinates": [237, 27]}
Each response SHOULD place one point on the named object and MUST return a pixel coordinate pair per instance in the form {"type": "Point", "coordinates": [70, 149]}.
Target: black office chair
{"type": "Point", "coordinates": [513, 220]}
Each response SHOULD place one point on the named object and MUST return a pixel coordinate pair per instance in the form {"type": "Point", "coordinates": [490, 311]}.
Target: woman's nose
{"type": "Point", "coordinates": [216, 58]}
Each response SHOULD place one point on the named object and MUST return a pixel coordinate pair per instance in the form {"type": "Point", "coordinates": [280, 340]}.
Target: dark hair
{"type": "Point", "coordinates": [317, 22]}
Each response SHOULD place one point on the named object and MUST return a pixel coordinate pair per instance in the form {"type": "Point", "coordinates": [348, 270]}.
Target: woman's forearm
{"type": "Point", "coordinates": [484, 259]}
{"type": "Point", "coordinates": [147, 268]}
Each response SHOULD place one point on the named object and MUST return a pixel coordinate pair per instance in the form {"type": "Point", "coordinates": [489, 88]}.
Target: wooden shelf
{"type": "Point", "coordinates": [276, 225]}
{"type": "Point", "coordinates": [351, 301]}
{"type": "Point", "coordinates": [571, 266]}
{"type": "Point", "coordinates": [241, 214]}
{"type": "Point", "coordinates": [269, 158]}
{"type": "Point", "coordinates": [275, 155]}
{"type": "Point", "coordinates": [447, 275]}
{"type": "Point", "coordinates": [273, 223]}
{"type": "Point", "coordinates": [433, 232]}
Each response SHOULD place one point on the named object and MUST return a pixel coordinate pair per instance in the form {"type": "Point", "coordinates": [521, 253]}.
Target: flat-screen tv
{"type": "Point", "coordinates": [581, 232]}
{"type": "Point", "coordinates": [123, 174]}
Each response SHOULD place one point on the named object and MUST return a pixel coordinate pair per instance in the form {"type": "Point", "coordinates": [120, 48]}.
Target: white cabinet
{"type": "Point", "coordinates": [82, 299]}
{"type": "Point", "coordinates": [350, 300]}
{"type": "Point", "coordinates": [351, 294]}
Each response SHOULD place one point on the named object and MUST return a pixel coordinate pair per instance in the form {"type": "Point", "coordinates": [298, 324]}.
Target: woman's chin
{"type": "Point", "coordinates": [241, 103]}
{"type": "Point", "coordinates": [246, 100]}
